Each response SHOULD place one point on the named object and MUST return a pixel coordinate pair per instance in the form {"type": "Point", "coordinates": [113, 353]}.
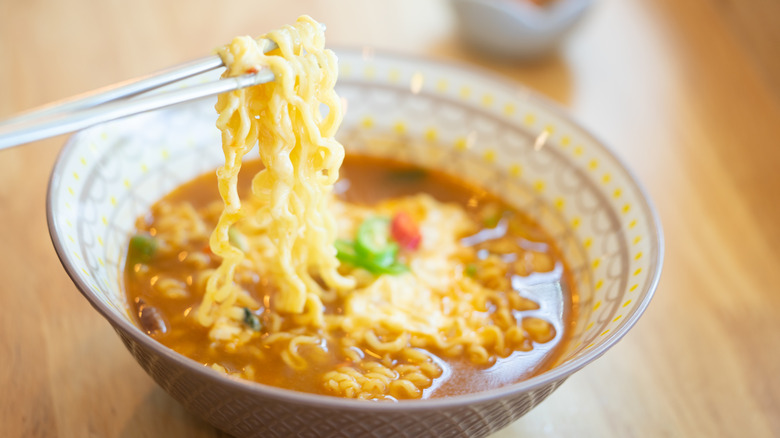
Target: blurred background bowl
{"type": "Point", "coordinates": [450, 117]}
{"type": "Point", "coordinates": [516, 29]}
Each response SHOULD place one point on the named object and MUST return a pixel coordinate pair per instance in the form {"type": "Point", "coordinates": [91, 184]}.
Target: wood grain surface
{"type": "Point", "coordinates": [685, 91]}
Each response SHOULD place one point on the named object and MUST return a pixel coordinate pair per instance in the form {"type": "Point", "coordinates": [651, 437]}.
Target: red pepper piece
{"type": "Point", "coordinates": [405, 231]}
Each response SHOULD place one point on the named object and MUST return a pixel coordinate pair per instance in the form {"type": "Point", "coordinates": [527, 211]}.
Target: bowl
{"type": "Point", "coordinates": [516, 29]}
{"type": "Point", "coordinates": [451, 117]}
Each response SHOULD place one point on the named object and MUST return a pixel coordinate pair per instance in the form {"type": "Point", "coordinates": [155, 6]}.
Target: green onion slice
{"type": "Point", "coordinates": [142, 249]}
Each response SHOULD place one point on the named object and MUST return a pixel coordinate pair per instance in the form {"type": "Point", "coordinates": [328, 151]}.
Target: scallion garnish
{"type": "Point", "coordinates": [372, 250]}
{"type": "Point", "coordinates": [142, 249]}
{"type": "Point", "coordinates": [411, 174]}
{"type": "Point", "coordinates": [251, 320]}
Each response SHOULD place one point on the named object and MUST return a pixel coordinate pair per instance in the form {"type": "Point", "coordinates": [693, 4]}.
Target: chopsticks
{"type": "Point", "coordinates": [123, 99]}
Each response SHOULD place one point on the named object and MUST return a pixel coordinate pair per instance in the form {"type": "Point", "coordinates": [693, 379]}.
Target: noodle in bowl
{"type": "Point", "coordinates": [437, 116]}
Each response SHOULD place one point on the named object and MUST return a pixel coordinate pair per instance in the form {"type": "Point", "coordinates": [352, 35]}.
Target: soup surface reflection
{"type": "Point", "coordinates": [522, 283]}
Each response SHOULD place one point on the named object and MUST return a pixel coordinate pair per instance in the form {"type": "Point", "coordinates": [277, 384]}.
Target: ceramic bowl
{"type": "Point", "coordinates": [516, 29]}
{"type": "Point", "coordinates": [450, 117]}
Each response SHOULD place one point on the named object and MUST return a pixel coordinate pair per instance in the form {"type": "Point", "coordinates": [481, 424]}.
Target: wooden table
{"type": "Point", "coordinates": [682, 89]}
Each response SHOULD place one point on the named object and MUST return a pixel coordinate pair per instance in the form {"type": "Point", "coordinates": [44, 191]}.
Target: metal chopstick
{"type": "Point", "coordinates": [25, 132]}
{"type": "Point", "coordinates": [118, 101]}
{"type": "Point", "coordinates": [122, 90]}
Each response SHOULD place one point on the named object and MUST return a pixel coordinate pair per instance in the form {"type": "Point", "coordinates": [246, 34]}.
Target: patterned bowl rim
{"type": "Point", "coordinates": [558, 373]}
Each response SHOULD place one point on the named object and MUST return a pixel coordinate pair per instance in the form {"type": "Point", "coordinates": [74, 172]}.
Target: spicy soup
{"type": "Point", "coordinates": [503, 315]}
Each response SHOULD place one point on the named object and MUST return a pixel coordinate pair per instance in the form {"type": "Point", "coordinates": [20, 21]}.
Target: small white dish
{"type": "Point", "coordinates": [516, 29]}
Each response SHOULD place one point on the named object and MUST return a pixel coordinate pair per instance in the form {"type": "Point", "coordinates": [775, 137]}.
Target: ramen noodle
{"type": "Point", "coordinates": [405, 284]}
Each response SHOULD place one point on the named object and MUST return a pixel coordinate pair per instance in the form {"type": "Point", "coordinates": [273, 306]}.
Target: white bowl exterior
{"type": "Point", "coordinates": [491, 132]}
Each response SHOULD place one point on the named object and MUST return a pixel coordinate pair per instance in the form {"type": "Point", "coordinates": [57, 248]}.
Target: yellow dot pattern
{"type": "Point", "coordinates": [591, 164]}
{"type": "Point", "coordinates": [394, 75]}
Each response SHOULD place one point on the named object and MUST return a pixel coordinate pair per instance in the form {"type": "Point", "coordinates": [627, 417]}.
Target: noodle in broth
{"type": "Point", "coordinates": [380, 297]}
